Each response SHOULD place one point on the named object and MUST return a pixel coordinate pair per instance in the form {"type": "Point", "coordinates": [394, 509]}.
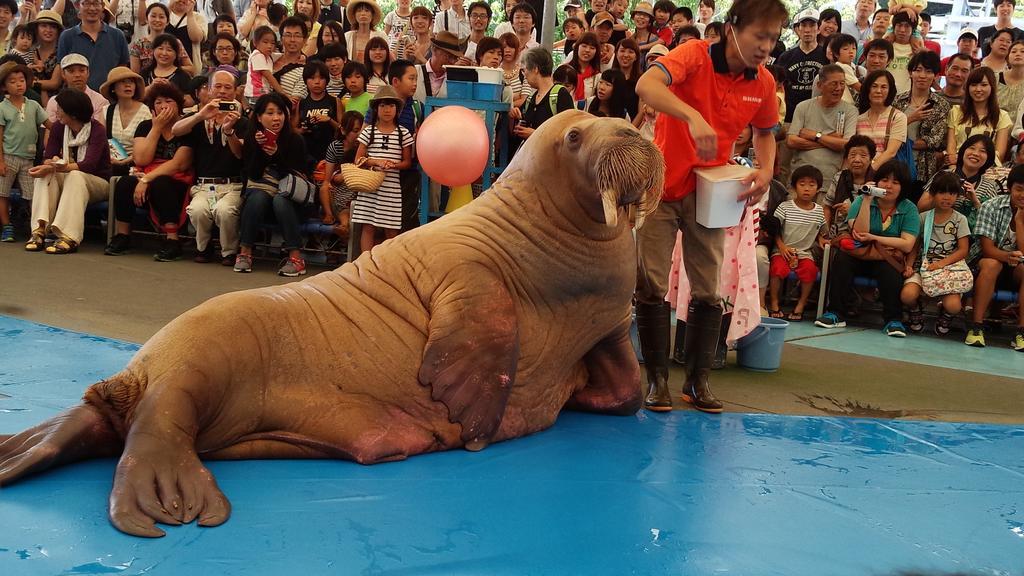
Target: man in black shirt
{"type": "Point", "coordinates": [802, 62]}
{"type": "Point", "coordinates": [217, 153]}
{"type": "Point", "coordinates": [1004, 21]}
{"type": "Point", "coordinates": [800, 65]}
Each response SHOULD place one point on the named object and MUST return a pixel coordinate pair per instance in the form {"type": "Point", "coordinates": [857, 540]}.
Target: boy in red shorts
{"type": "Point", "coordinates": [803, 224]}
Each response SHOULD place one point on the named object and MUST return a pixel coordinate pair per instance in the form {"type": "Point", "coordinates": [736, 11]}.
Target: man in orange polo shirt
{"type": "Point", "coordinates": [705, 96]}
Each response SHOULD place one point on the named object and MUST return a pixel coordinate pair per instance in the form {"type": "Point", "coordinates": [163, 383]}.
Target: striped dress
{"type": "Point", "coordinates": [382, 208]}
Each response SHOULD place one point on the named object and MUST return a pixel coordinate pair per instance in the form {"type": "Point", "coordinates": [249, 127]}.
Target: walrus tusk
{"type": "Point", "coordinates": [641, 215]}
{"type": "Point", "coordinates": [611, 208]}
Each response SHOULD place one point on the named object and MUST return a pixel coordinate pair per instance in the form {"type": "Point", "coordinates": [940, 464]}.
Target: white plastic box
{"type": "Point", "coordinates": [717, 191]}
{"type": "Point", "coordinates": [475, 74]}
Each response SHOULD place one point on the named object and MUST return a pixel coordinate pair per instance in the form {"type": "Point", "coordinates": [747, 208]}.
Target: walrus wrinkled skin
{"type": "Point", "coordinates": [474, 329]}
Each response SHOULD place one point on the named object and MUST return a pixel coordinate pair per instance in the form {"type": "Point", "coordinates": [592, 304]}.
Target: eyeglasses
{"type": "Point", "coordinates": [478, 16]}
{"type": "Point", "coordinates": [291, 35]}
{"type": "Point", "coordinates": [225, 48]}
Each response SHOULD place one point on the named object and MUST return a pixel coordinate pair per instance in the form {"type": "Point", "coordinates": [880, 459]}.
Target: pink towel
{"type": "Point", "coordinates": [738, 279]}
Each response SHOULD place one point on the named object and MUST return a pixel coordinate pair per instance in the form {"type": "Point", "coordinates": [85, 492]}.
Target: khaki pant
{"type": "Point", "coordinates": [784, 157]}
{"type": "Point", "coordinates": [59, 201]}
{"type": "Point", "coordinates": [702, 253]}
{"type": "Point", "coordinates": [219, 204]}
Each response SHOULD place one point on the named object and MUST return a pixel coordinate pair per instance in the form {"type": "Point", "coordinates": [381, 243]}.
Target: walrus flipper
{"type": "Point", "coordinates": [472, 350]}
{"type": "Point", "coordinates": [613, 376]}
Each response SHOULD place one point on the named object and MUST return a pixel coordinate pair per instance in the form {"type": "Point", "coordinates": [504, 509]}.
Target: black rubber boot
{"type": "Point", "coordinates": [703, 325]}
{"type": "Point", "coordinates": [723, 348]}
{"type": "Point", "coordinates": [652, 322]}
{"type": "Point", "coordinates": [679, 351]}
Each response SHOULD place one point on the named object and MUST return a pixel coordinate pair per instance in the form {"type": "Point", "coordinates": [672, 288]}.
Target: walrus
{"type": "Point", "coordinates": [474, 329]}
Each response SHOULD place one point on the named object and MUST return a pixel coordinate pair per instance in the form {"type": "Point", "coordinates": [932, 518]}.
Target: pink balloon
{"type": "Point", "coordinates": [452, 146]}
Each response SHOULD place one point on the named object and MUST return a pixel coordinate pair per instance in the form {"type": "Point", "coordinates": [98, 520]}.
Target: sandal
{"type": "Point", "coordinates": [795, 316]}
{"type": "Point", "coordinates": [36, 243]}
{"type": "Point", "coordinates": [62, 246]}
{"type": "Point", "coordinates": [776, 314]}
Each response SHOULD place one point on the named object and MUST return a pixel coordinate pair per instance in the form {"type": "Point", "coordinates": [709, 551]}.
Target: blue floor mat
{"type": "Point", "coordinates": [949, 352]}
{"type": "Point", "coordinates": [683, 493]}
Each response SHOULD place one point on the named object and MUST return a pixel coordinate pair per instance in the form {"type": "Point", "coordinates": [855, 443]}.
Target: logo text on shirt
{"type": "Point", "coordinates": [753, 99]}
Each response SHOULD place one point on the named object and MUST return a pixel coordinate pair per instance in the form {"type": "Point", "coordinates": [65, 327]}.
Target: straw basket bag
{"type": "Point", "coordinates": [361, 180]}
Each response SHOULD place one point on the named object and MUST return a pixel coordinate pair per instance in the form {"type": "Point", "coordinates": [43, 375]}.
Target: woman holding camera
{"type": "Point", "coordinates": [884, 226]}
{"type": "Point", "coordinates": [976, 156]}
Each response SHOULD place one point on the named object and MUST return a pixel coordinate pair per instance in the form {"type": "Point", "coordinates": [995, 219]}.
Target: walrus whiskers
{"type": "Point", "coordinates": [629, 167]}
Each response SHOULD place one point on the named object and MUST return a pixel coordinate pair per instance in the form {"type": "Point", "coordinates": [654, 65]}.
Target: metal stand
{"type": "Point", "coordinates": [490, 110]}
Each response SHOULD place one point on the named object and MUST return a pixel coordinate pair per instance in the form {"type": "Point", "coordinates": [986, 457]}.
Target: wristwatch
{"type": "Point", "coordinates": [817, 136]}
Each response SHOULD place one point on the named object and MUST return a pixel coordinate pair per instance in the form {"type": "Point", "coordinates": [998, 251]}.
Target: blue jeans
{"type": "Point", "coordinates": [258, 204]}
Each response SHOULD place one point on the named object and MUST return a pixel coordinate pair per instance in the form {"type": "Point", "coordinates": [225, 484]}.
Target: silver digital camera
{"type": "Point", "coordinates": [872, 191]}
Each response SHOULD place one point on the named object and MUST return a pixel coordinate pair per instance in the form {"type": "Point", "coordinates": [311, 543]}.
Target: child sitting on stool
{"type": "Point", "coordinates": [803, 223]}
{"type": "Point", "coordinates": [941, 270]}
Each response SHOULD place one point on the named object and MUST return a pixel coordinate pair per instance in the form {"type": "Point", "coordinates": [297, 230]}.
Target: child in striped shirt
{"type": "Point", "coordinates": [803, 223]}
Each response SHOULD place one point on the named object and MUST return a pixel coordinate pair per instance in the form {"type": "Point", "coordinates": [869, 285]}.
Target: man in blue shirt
{"type": "Point", "coordinates": [102, 45]}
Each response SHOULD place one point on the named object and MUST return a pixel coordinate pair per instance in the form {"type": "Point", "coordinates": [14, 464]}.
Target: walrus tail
{"type": "Point", "coordinates": [116, 398]}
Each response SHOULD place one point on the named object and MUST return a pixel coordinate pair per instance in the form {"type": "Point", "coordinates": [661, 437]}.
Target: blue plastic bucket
{"type": "Point", "coordinates": [458, 90]}
{"type": "Point", "coordinates": [486, 92]}
{"type": "Point", "coordinates": [761, 350]}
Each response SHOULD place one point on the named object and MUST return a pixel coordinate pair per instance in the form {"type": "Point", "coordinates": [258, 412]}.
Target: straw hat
{"type": "Point", "coordinates": [387, 94]}
{"type": "Point", "coordinates": [48, 16]}
{"type": "Point", "coordinates": [643, 8]}
{"type": "Point", "coordinates": [350, 12]}
{"type": "Point", "coordinates": [122, 73]}
{"type": "Point", "coordinates": [445, 40]}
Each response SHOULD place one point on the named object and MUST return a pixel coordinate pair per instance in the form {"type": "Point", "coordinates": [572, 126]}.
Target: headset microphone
{"type": "Point", "coordinates": [736, 42]}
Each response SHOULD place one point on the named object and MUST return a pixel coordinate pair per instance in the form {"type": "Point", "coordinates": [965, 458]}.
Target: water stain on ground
{"type": "Point", "coordinates": [835, 407]}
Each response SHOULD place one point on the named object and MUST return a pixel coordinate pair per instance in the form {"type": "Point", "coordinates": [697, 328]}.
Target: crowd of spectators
{"type": "Point", "coordinates": [206, 110]}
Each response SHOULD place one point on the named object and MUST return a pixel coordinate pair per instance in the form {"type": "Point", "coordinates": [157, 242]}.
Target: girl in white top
{"type": "Point", "coordinates": [513, 72]}
{"type": "Point", "coordinates": [365, 16]}
{"type": "Point", "coordinates": [378, 63]}
{"type": "Point", "coordinates": [398, 24]}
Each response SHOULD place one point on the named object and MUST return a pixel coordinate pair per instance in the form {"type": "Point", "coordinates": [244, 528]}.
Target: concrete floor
{"type": "Point", "coordinates": [131, 297]}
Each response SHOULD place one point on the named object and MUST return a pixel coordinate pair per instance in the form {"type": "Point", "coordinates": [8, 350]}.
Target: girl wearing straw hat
{"type": "Point", "coordinates": [386, 146]}
{"type": "Point", "coordinates": [47, 27]}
